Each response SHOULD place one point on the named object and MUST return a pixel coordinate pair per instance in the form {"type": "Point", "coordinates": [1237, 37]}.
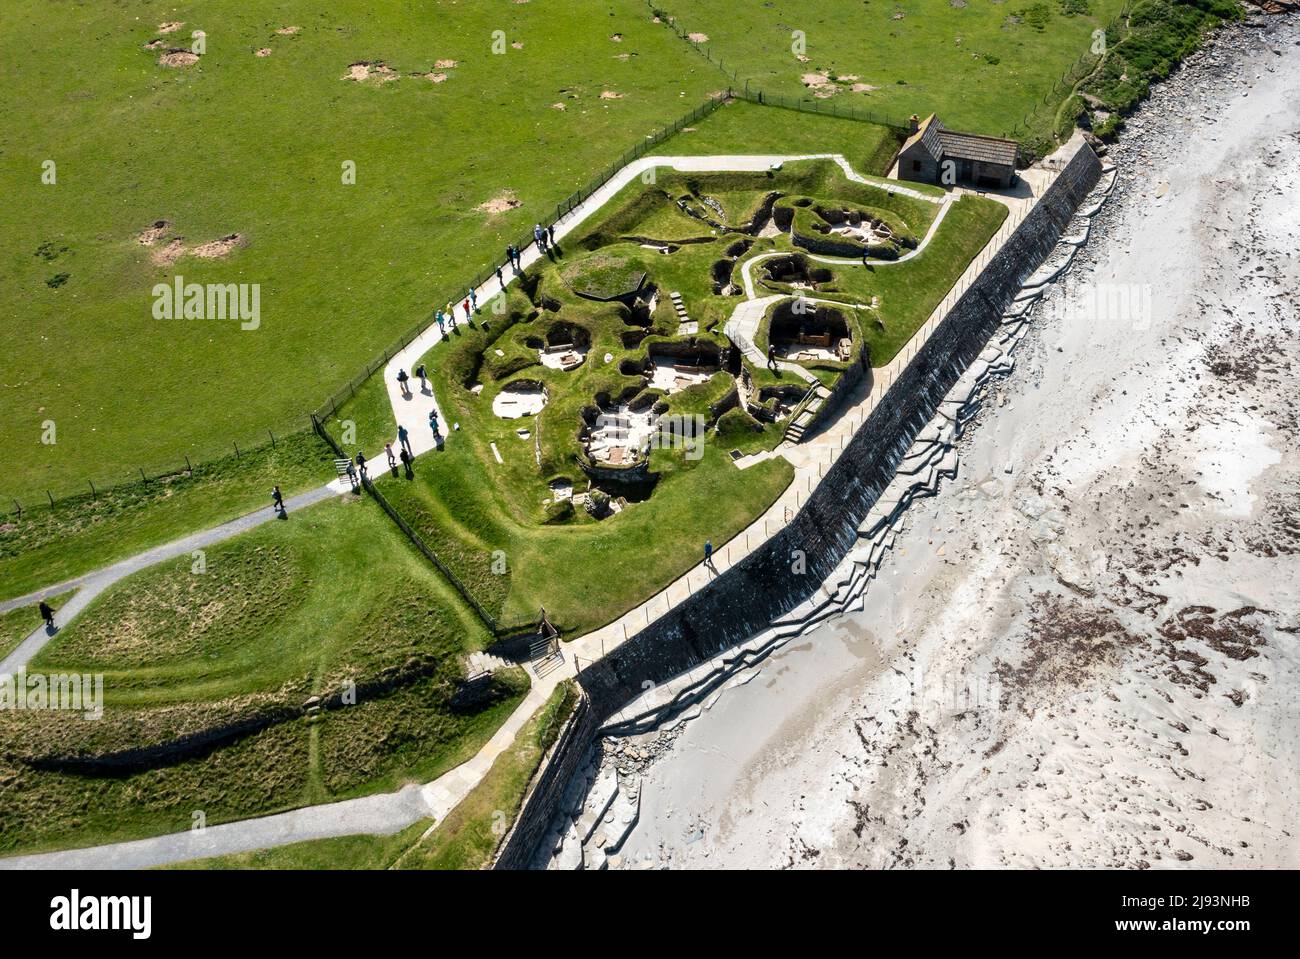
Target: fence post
{"type": "Point", "coordinates": [93, 494]}
{"type": "Point", "coordinates": [235, 445]}
{"type": "Point", "coordinates": [190, 469]}
{"type": "Point", "coordinates": [272, 435]}
{"type": "Point", "coordinates": [50, 497]}
{"type": "Point", "coordinates": [143, 477]}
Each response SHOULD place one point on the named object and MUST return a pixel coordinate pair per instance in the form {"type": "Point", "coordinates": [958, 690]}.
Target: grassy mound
{"type": "Point", "coordinates": [605, 276]}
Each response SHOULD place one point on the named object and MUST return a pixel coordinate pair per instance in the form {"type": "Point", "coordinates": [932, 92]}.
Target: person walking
{"type": "Point", "coordinates": [473, 299]}
{"type": "Point", "coordinates": [539, 237]}
{"type": "Point", "coordinates": [392, 460]}
{"type": "Point", "coordinates": [433, 421]}
{"type": "Point", "coordinates": [402, 378]}
{"type": "Point", "coordinates": [352, 477]}
{"type": "Point", "coordinates": [512, 256]}
{"type": "Point", "coordinates": [424, 378]}
{"type": "Point", "coordinates": [771, 357]}
{"type": "Point", "coordinates": [451, 315]}
{"type": "Point", "coordinates": [406, 462]}
{"type": "Point", "coordinates": [404, 438]}
{"type": "Point", "coordinates": [277, 500]}
{"type": "Point", "coordinates": [47, 614]}
{"type": "Point", "coordinates": [469, 317]}
{"type": "Point", "coordinates": [550, 235]}
{"type": "Point", "coordinates": [500, 281]}
{"type": "Point", "coordinates": [708, 555]}
{"type": "Point", "coordinates": [438, 316]}
{"type": "Point", "coordinates": [361, 464]}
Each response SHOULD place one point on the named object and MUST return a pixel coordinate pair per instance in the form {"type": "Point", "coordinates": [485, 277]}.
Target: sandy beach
{"type": "Point", "coordinates": [1083, 651]}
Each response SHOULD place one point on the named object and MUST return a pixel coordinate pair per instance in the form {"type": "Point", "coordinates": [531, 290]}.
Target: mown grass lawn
{"type": "Point", "coordinates": [466, 839]}
{"type": "Point", "coordinates": [299, 608]}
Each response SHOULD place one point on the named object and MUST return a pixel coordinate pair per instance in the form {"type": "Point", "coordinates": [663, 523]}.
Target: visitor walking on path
{"type": "Point", "coordinates": [771, 357]}
{"type": "Point", "coordinates": [469, 317]}
{"type": "Point", "coordinates": [404, 438]}
{"type": "Point", "coordinates": [433, 421]}
{"type": "Point", "coordinates": [352, 477]}
{"type": "Point", "coordinates": [512, 257]}
{"type": "Point", "coordinates": [424, 379]}
{"type": "Point", "coordinates": [277, 500]}
{"type": "Point", "coordinates": [361, 464]}
{"type": "Point", "coordinates": [550, 235]}
{"type": "Point", "coordinates": [392, 460]}
{"type": "Point", "coordinates": [406, 463]}
{"type": "Point", "coordinates": [473, 299]}
{"type": "Point", "coordinates": [451, 315]}
{"type": "Point", "coordinates": [402, 379]}
{"type": "Point", "coordinates": [439, 318]}
{"type": "Point", "coordinates": [500, 281]}
{"type": "Point", "coordinates": [708, 555]}
{"type": "Point", "coordinates": [47, 614]}
{"type": "Point", "coordinates": [540, 237]}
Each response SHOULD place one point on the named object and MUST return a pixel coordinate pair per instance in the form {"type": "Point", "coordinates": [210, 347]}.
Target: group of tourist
{"type": "Point", "coordinates": [543, 236]}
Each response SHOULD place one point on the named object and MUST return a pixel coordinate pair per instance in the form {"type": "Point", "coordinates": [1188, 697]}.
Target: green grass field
{"type": "Point", "coordinates": [294, 609]}
{"type": "Point", "coordinates": [980, 65]}
{"type": "Point", "coordinates": [238, 143]}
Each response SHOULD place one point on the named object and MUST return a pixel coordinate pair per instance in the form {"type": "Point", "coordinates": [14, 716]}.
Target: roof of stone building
{"type": "Point", "coordinates": [940, 142]}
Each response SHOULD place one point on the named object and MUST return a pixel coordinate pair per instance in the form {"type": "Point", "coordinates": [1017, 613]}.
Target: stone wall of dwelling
{"type": "Point", "coordinates": [929, 170]}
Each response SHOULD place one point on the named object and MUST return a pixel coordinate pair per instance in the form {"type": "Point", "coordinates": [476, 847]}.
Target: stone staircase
{"type": "Point", "coordinates": [686, 325]}
{"type": "Point", "coordinates": [480, 663]}
{"type": "Point", "coordinates": [805, 412]}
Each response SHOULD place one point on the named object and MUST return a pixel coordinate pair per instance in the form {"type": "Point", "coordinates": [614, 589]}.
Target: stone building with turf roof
{"type": "Point", "coordinates": [976, 160]}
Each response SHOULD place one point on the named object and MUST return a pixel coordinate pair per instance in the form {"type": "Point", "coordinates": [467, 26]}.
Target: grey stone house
{"type": "Point", "coordinates": [932, 149]}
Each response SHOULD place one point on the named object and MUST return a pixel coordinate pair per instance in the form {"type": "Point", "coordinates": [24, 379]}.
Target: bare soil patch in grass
{"type": "Point", "coordinates": [169, 254]}
{"type": "Point", "coordinates": [216, 249]}
{"type": "Point", "coordinates": [178, 58]}
{"type": "Point", "coordinates": [365, 71]}
{"type": "Point", "coordinates": [504, 201]}
{"type": "Point", "coordinates": [151, 235]}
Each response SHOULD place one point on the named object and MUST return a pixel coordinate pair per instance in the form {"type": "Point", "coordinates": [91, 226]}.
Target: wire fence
{"type": "Point", "coordinates": [1078, 70]}
{"type": "Point", "coordinates": [743, 89]}
{"type": "Point", "coordinates": [93, 487]}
